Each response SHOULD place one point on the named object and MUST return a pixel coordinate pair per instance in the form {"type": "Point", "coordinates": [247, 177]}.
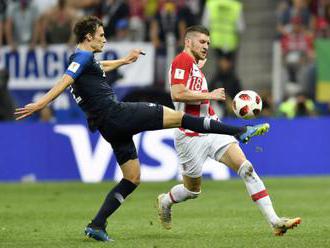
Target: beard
{"type": "Point", "coordinates": [196, 55]}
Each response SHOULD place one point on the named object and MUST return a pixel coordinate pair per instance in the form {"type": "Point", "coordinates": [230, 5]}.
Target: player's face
{"type": "Point", "coordinates": [200, 46]}
{"type": "Point", "coordinates": [98, 40]}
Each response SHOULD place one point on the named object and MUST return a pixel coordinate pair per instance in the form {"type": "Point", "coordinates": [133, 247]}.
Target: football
{"type": "Point", "coordinates": [247, 104]}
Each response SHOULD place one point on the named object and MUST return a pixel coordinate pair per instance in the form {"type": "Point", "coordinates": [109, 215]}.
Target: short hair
{"type": "Point", "coordinates": [86, 25]}
{"type": "Point", "coordinates": [196, 29]}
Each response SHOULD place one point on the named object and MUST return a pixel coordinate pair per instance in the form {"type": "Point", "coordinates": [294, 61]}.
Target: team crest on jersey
{"type": "Point", "coordinates": [179, 74]}
{"type": "Point", "coordinates": [74, 66]}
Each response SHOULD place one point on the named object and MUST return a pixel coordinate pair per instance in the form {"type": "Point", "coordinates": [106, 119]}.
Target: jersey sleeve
{"type": "Point", "coordinates": [180, 70]}
{"type": "Point", "coordinates": [79, 63]}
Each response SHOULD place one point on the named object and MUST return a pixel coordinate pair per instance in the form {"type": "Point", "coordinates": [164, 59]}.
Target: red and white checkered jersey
{"type": "Point", "coordinates": [184, 70]}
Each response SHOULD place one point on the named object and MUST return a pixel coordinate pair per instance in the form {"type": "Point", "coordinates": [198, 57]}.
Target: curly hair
{"type": "Point", "coordinates": [86, 25]}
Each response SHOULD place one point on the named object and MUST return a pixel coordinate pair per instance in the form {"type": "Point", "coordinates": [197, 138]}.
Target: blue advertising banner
{"type": "Point", "coordinates": [38, 151]}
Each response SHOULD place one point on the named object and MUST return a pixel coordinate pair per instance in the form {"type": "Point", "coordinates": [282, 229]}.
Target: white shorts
{"type": "Point", "coordinates": [193, 151]}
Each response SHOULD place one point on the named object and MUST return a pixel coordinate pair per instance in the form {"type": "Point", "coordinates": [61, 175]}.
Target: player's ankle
{"type": "Point", "coordinates": [97, 225]}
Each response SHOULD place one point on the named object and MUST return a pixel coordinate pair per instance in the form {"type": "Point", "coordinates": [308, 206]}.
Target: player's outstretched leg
{"type": "Point", "coordinates": [165, 201]}
{"type": "Point", "coordinates": [283, 224]}
{"type": "Point", "coordinates": [207, 125]}
{"type": "Point", "coordinates": [259, 195]}
{"type": "Point", "coordinates": [252, 131]}
{"type": "Point", "coordinates": [172, 119]}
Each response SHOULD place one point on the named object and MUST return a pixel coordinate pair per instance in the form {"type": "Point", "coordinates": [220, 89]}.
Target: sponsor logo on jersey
{"type": "Point", "coordinates": [74, 66]}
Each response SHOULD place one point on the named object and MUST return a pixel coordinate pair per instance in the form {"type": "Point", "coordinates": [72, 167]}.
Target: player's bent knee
{"type": "Point", "coordinates": [131, 171]}
{"type": "Point", "coordinates": [134, 179]}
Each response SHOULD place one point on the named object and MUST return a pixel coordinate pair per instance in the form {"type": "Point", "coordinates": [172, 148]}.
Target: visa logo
{"type": "Point", "coordinates": [156, 154]}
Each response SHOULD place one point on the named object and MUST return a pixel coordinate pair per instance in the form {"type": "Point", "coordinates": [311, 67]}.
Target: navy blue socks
{"type": "Point", "coordinates": [113, 201]}
{"type": "Point", "coordinates": [207, 125]}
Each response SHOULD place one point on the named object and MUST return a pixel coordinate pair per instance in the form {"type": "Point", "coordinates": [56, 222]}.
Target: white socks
{"type": "Point", "coordinates": [254, 186]}
{"type": "Point", "coordinates": [257, 191]}
{"type": "Point", "coordinates": [178, 194]}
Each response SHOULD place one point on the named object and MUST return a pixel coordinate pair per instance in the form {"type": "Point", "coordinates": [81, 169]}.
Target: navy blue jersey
{"type": "Point", "coordinates": [116, 121]}
{"type": "Point", "coordinates": [90, 88]}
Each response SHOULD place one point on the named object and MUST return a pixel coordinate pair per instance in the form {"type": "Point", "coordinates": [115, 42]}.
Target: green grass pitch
{"type": "Point", "coordinates": [54, 215]}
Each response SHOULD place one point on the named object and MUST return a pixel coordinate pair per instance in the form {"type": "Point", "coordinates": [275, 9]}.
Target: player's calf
{"type": "Point", "coordinates": [179, 193]}
{"type": "Point", "coordinates": [257, 191]}
{"type": "Point", "coordinates": [165, 201]}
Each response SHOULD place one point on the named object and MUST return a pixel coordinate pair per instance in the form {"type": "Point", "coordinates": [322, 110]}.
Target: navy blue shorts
{"type": "Point", "coordinates": [122, 121]}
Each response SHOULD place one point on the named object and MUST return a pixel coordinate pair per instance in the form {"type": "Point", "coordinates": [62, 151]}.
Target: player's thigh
{"type": "Point", "coordinates": [140, 116]}
{"type": "Point", "coordinates": [233, 157]}
{"type": "Point", "coordinates": [192, 153]}
{"type": "Point", "coordinates": [192, 184]}
{"type": "Point", "coordinates": [131, 170]}
{"type": "Point", "coordinates": [219, 144]}
{"type": "Point", "coordinates": [123, 148]}
{"type": "Point", "coordinates": [171, 118]}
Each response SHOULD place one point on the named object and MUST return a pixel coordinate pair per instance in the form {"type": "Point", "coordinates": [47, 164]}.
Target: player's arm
{"type": "Point", "coordinates": [109, 65]}
{"type": "Point", "coordinates": [75, 69]}
{"type": "Point", "coordinates": [181, 68]}
{"type": "Point", "coordinates": [180, 93]}
{"type": "Point", "coordinates": [54, 92]}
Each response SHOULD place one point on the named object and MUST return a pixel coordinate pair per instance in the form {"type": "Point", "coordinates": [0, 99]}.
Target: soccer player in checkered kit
{"type": "Point", "coordinates": [190, 94]}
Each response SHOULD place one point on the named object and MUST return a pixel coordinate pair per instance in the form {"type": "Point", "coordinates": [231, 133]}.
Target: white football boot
{"type": "Point", "coordinates": [164, 212]}
{"type": "Point", "coordinates": [283, 224]}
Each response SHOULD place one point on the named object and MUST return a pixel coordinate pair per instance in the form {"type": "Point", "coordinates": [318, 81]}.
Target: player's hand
{"type": "Point", "coordinates": [27, 110]}
{"type": "Point", "coordinates": [218, 94]}
{"type": "Point", "coordinates": [133, 56]}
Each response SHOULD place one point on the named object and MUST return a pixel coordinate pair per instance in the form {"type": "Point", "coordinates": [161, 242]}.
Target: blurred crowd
{"type": "Point", "coordinates": [162, 22]}
{"type": "Point", "coordinates": [50, 22]}
{"type": "Point", "coordinates": [299, 24]}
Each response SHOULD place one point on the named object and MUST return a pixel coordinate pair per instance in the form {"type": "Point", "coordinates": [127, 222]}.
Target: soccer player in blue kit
{"type": "Point", "coordinates": [119, 121]}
